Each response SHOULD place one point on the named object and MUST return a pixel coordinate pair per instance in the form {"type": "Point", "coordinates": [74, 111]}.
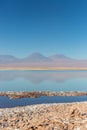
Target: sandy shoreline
{"type": "Point", "coordinates": [43, 68]}
{"type": "Point", "coordinates": [62, 116]}
{"type": "Point", "coordinates": [35, 94]}
{"type": "Point", "coordinates": [56, 116]}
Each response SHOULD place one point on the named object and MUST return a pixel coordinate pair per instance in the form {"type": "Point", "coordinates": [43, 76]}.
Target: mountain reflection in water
{"type": "Point", "coordinates": [40, 76]}
{"type": "Point", "coordinates": [43, 80]}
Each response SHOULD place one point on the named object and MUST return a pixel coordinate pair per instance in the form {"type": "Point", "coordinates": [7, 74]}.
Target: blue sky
{"type": "Point", "coordinates": [45, 26]}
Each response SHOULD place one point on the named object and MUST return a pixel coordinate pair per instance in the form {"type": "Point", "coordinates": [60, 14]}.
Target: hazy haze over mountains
{"type": "Point", "coordinates": [37, 57]}
{"type": "Point", "coordinates": [39, 60]}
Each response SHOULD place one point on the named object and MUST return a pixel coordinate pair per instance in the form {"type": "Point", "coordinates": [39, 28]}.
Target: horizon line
{"type": "Point", "coordinates": [43, 68]}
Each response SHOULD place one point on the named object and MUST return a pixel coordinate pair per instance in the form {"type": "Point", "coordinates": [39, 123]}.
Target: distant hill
{"type": "Point", "coordinates": [4, 59]}
{"type": "Point", "coordinates": [38, 60]}
{"type": "Point", "coordinates": [59, 57]}
{"type": "Point", "coordinates": [37, 57]}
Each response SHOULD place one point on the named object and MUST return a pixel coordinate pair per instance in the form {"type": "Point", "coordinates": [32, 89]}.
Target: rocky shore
{"type": "Point", "coordinates": [15, 95]}
{"type": "Point", "coordinates": [70, 116]}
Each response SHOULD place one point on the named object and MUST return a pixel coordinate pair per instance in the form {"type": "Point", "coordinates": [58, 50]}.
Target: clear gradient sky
{"type": "Point", "coordinates": [44, 26]}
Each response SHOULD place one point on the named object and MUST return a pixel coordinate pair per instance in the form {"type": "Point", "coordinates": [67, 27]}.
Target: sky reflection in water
{"type": "Point", "coordinates": [43, 80]}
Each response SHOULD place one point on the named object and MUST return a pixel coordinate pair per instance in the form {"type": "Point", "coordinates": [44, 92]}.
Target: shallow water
{"type": "Point", "coordinates": [5, 102]}
{"type": "Point", "coordinates": [43, 80]}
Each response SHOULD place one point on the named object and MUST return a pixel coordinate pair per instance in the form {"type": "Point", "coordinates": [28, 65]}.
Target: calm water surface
{"type": "Point", "coordinates": [5, 102]}
{"type": "Point", "coordinates": [43, 80]}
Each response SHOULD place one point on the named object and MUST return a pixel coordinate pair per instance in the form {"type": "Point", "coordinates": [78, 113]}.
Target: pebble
{"type": "Point", "coordinates": [64, 116]}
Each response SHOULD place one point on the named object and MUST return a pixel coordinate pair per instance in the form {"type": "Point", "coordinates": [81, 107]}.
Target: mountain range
{"type": "Point", "coordinates": [38, 60]}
